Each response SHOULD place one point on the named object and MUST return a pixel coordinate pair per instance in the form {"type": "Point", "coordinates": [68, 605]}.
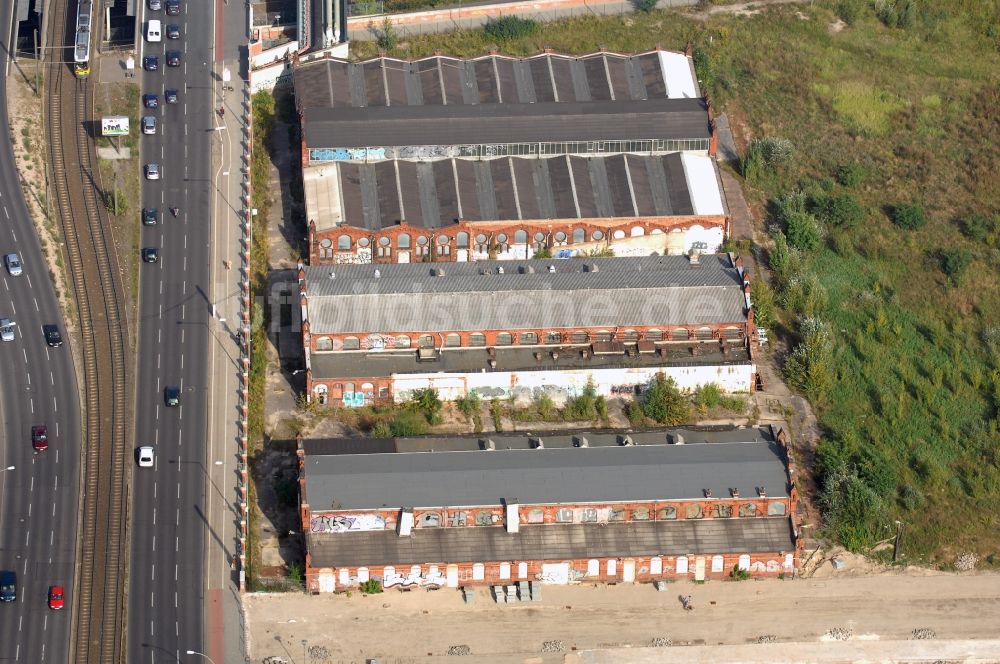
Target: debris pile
{"type": "Point", "coordinates": [840, 634]}
{"type": "Point", "coordinates": [460, 650]}
{"type": "Point", "coordinates": [923, 634]}
{"type": "Point", "coordinates": [966, 562]}
{"type": "Point", "coordinates": [661, 642]}
{"type": "Point", "coordinates": [553, 646]}
{"type": "Point", "coordinates": [767, 638]}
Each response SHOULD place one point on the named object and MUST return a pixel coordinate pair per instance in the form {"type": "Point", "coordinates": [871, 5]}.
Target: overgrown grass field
{"type": "Point", "coordinates": [887, 110]}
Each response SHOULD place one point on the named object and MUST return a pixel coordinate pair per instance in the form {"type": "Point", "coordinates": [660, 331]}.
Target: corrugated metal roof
{"type": "Point", "coordinates": [494, 79]}
{"type": "Point", "coordinates": [543, 476]}
{"type": "Point", "coordinates": [655, 290]}
{"type": "Point", "coordinates": [555, 542]}
{"type": "Point", "coordinates": [483, 124]}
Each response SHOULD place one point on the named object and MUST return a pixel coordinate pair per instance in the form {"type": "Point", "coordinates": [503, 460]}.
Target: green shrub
{"type": "Point", "coordinates": [386, 37]}
{"type": "Point", "coordinates": [803, 231]}
{"type": "Point", "coordinates": [810, 365]}
{"type": "Point", "coordinates": [954, 263]}
{"type": "Point", "coordinates": [842, 210]}
{"type": "Point", "coordinates": [738, 574]}
{"type": "Point", "coordinates": [295, 572]}
{"type": "Point", "coordinates": [897, 13]}
{"type": "Point", "coordinates": [710, 395]}
{"type": "Point", "coordinates": [765, 155]}
{"type": "Point", "coordinates": [853, 512]}
{"type": "Point", "coordinates": [381, 429]}
{"type": "Point", "coordinates": [371, 587]}
{"type": "Point", "coordinates": [805, 296]}
{"type": "Point", "coordinates": [849, 11]}
{"type": "Point", "coordinates": [851, 174]}
{"type": "Point", "coordinates": [982, 228]}
{"type": "Point", "coordinates": [664, 402]}
{"type": "Point", "coordinates": [428, 403]}
{"type": "Point", "coordinates": [633, 411]}
{"type": "Point", "coordinates": [407, 423]}
{"type": "Point", "coordinates": [645, 6]}
{"type": "Point", "coordinates": [703, 68]}
{"type": "Point", "coordinates": [544, 252]}
{"type": "Point", "coordinates": [601, 407]}
{"type": "Point", "coordinates": [496, 414]}
{"type": "Point", "coordinates": [909, 216]}
{"type": "Point", "coordinates": [762, 298]}
{"type": "Point", "coordinates": [469, 405]}
{"type": "Point", "coordinates": [510, 27]}
{"type": "Point", "coordinates": [582, 407]}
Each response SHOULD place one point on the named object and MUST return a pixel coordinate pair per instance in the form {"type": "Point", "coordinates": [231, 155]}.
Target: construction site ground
{"type": "Point", "coordinates": [851, 614]}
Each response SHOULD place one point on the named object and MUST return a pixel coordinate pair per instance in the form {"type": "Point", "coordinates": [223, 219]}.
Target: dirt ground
{"type": "Point", "coordinates": [421, 626]}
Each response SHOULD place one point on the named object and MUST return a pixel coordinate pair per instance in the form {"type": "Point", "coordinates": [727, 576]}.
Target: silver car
{"type": "Point", "coordinates": [13, 262]}
{"type": "Point", "coordinates": [152, 171]}
{"type": "Point", "coordinates": [7, 329]}
{"type": "Point", "coordinates": [148, 124]}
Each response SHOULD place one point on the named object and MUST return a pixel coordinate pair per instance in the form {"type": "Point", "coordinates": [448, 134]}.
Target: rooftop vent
{"type": "Point", "coordinates": [538, 355]}
{"type": "Point", "coordinates": [591, 267]}
{"type": "Point", "coordinates": [332, 275]}
{"type": "Point", "coordinates": [437, 272]}
{"type": "Point", "coordinates": [552, 268]}
{"type": "Point", "coordinates": [695, 258]}
{"type": "Point", "coordinates": [488, 444]}
{"type": "Point", "coordinates": [500, 270]}
{"type": "Point", "coordinates": [555, 355]}
{"type": "Point", "coordinates": [626, 440]}
{"type": "Point", "coordinates": [734, 492]}
{"type": "Point", "coordinates": [585, 353]}
{"type": "Point", "coordinates": [678, 439]}
{"type": "Point", "coordinates": [493, 364]}
{"type": "Point", "coordinates": [581, 441]}
{"type": "Point", "coordinates": [762, 491]}
{"type": "Point", "coordinates": [527, 269]}
{"type": "Point", "coordinates": [427, 354]}
{"type": "Point", "coordinates": [537, 442]}
{"type": "Point", "coordinates": [377, 274]}
{"type": "Point", "coordinates": [708, 493]}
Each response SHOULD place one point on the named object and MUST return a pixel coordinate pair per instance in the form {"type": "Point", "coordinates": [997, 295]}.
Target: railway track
{"type": "Point", "coordinates": [99, 599]}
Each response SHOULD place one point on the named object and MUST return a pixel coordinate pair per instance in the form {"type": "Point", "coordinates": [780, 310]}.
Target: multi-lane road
{"type": "Point", "coordinates": [169, 513]}
{"type": "Point", "coordinates": [39, 497]}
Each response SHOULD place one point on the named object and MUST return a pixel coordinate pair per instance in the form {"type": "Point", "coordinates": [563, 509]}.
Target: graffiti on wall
{"type": "Point", "coordinates": [342, 523]}
{"type": "Point", "coordinates": [362, 257]}
{"type": "Point", "coordinates": [378, 342]}
{"type": "Point", "coordinates": [345, 154]}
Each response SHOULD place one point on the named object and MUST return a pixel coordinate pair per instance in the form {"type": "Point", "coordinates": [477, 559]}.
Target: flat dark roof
{"type": "Point", "coordinates": [546, 122]}
{"type": "Point", "coordinates": [362, 364]}
{"type": "Point", "coordinates": [552, 542]}
{"type": "Point", "coordinates": [546, 476]}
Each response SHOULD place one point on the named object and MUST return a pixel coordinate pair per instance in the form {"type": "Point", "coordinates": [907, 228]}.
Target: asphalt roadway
{"type": "Point", "coordinates": [39, 498]}
{"type": "Point", "coordinates": [166, 596]}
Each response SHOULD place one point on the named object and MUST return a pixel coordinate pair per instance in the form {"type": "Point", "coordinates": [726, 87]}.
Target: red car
{"type": "Point", "coordinates": [56, 600]}
{"type": "Point", "coordinates": [40, 437]}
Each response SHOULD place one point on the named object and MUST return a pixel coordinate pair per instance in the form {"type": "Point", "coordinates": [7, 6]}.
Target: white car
{"type": "Point", "coordinates": [7, 329]}
{"type": "Point", "coordinates": [146, 457]}
{"type": "Point", "coordinates": [153, 33]}
{"type": "Point", "coordinates": [13, 262]}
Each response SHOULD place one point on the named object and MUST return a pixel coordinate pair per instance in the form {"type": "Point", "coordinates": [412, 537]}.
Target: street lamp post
{"type": "Point", "coordinates": [195, 652]}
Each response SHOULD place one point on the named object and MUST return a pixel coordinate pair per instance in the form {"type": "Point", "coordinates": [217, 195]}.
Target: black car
{"type": "Point", "coordinates": [150, 63]}
{"type": "Point", "coordinates": [173, 58]}
{"type": "Point", "coordinates": [52, 335]}
{"type": "Point", "coordinates": [172, 395]}
{"type": "Point", "coordinates": [173, 7]}
{"type": "Point", "coordinates": [150, 101]}
{"type": "Point", "coordinates": [170, 96]}
{"type": "Point", "coordinates": [149, 216]}
{"type": "Point", "coordinates": [150, 254]}
{"type": "Point", "coordinates": [173, 32]}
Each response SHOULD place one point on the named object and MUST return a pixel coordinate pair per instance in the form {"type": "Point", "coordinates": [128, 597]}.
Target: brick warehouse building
{"type": "Point", "coordinates": [521, 328]}
{"type": "Point", "coordinates": [444, 159]}
{"type": "Point", "coordinates": [554, 507]}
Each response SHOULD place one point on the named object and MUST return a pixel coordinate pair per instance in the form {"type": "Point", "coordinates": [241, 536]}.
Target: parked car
{"type": "Point", "coordinates": [152, 171]}
{"type": "Point", "coordinates": [39, 437]}
{"type": "Point", "coordinates": [170, 96]}
{"type": "Point", "coordinates": [148, 124]}
{"type": "Point", "coordinates": [150, 100]}
{"type": "Point", "coordinates": [13, 262]}
{"type": "Point", "coordinates": [150, 63]}
{"type": "Point", "coordinates": [147, 457]}
{"type": "Point", "coordinates": [150, 216]}
{"type": "Point", "coordinates": [150, 254]}
{"type": "Point", "coordinates": [56, 597]}
{"type": "Point", "coordinates": [52, 335]}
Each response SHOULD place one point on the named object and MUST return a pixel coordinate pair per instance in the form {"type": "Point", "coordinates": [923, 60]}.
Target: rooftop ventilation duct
{"type": "Point", "coordinates": [581, 441]}
{"type": "Point", "coordinates": [626, 440]}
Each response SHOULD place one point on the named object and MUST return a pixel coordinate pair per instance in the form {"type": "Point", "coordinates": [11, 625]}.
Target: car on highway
{"type": "Point", "coordinates": [40, 437]}
{"type": "Point", "coordinates": [156, 5]}
{"type": "Point", "coordinates": [173, 32]}
{"type": "Point", "coordinates": [52, 335]}
{"type": "Point", "coordinates": [7, 329]}
{"type": "Point", "coordinates": [150, 254]}
{"type": "Point", "coordinates": [149, 216]}
{"type": "Point", "coordinates": [146, 457]}
{"type": "Point", "coordinates": [150, 63]}
{"type": "Point", "coordinates": [152, 171]}
{"type": "Point", "coordinates": [13, 263]}
{"type": "Point", "coordinates": [148, 124]}
{"type": "Point", "coordinates": [8, 585]}
{"type": "Point", "coordinates": [173, 58]}
{"type": "Point", "coordinates": [150, 100]}
{"type": "Point", "coordinates": [57, 597]}
{"type": "Point", "coordinates": [172, 395]}
{"type": "Point", "coordinates": [170, 96]}
{"type": "Point", "coordinates": [173, 7]}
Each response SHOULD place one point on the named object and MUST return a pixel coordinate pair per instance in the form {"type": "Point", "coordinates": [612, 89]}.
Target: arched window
{"type": "Point", "coordinates": [732, 333]}
{"type": "Point", "coordinates": [326, 248]}
{"type": "Point", "coordinates": [637, 231]}
{"type": "Point", "coordinates": [680, 334]}
{"type": "Point", "coordinates": [603, 335]}
{"type": "Point", "coordinates": [528, 338]}
{"type": "Point", "coordinates": [384, 241]}
{"type": "Point", "coordinates": [352, 343]}
{"type": "Point", "coordinates": [598, 235]}
{"type": "Point", "coordinates": [560, 237]}
{"type": "Point", "coordinates": [403, 241]}
{"type": "Point", "coordinates": [363, 242]}
{"type": "Point", "coordinates": [520, 237]}
{"type": "Point", "coordinates": [462, 240]}
{"type": "Point", "coordinates": [324, 343]}
{"type": "Point", "coordinates": [452, 340]}
{"type": "Point", "coordinates": [579, 235]}
{"type": "Point", "coordinates": [580, 337]}
{"type": "Point", "coordinates": [402, 341]}
{"type": "Point", "coordinates": [703, 333]}
{"type": "Point", "coordinates": [480, 239]}
{"type": "Point", "coordinates": [344, 243]}
{"type": "Point", "coordinates": [477, 339]}
{"type": "Point", "coordinates": [553, 338]}
{"type": "Point", "coordinates": [425, 341]}
{"type": "Point", "coordinates": [618, 234]}
{"type": "Point", "coordinates": [630, 336]}
{"type": "Point", "coordinates": [654, 335]}
{"type": "Point", "coordinates": [504, 339]}
{"type": "Point", "coordinates": [539, 236]}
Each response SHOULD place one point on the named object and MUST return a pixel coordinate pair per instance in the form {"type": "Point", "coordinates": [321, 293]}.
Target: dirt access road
{"type": "Point", "coordinates": [868, 611]}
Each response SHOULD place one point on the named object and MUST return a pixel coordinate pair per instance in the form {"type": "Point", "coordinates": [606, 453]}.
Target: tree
{"type": "Point", "coordinates": [842, 210]}
{"type": "Point", "coordinates": [665, 403]}
{"type": "Point", "coordinates": [429, 403]}
{"type": "Point", "coordinates": [909, 216]}
{"type": "Point", "coordinates": [762, 299]}
{"type": "Point", "coordinates": [803, 231]}
{"type": "Point", "coordinates": [809, 367]}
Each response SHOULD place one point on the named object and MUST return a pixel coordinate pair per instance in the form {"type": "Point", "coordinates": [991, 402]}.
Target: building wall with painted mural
{"type": "Point", "coordinates": [642, 569]}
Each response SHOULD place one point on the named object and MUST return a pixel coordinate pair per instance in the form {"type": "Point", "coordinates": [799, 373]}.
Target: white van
{"type": "Point", "coordinates": [153, 31]}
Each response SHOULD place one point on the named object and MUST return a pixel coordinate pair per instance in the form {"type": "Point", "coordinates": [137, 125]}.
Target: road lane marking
{"type": "Point", "coordinates": [28, 277]}
{"type": "Point", "coordinates": [36, 304]}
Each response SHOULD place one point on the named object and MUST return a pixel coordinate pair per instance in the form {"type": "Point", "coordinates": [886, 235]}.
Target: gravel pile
{"type": "Point", "coordinates": [661, 642]}
{"type": "Point", "coordinates": [460, 650]}
{"type": "Point", "coordinates": [553, 646]}
{"type": "Point", "coordinates": [966, 562]}
{"type": "Point", "coordinates": [840, 634]}
{"type": "Point", "coordinates": [767, 638]}
{"type": "Point", "coordinates": [923, 633]}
